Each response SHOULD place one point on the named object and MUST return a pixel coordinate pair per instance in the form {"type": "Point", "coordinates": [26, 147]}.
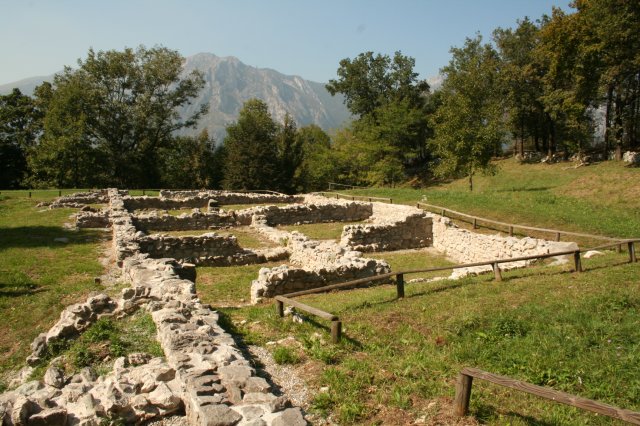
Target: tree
{"type": "Point", "coordinates": [390, 103]}
{"type": "Point", "coordinates": [129, 104]}
{"type": "Point", "coordinates": [469, 123]}
{"type": "Point", "coordinates": [289, 154]}
{"type": "Point", "coordinates": [522, 81]}
{"type": "Point", "coordinates": [191, 162]}
{"type": "Point", "coordinates": [251, 151]}
{"type": "Point", "coordinates": [611, 40]}
{"type": "Point", "coordinates": [318, 167]}
{"type": "Point", "coordinates": [20, 122]}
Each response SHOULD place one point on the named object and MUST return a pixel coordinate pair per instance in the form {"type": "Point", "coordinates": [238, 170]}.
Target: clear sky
{"type": "Point", "coordinates": [301, 37]}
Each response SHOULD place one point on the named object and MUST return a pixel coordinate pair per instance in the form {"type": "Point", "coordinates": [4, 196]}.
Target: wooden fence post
{"type": "Point", "coordinates": [632, 252]}
{"type": "Point", "coordinates": [497, 272]}
{"type": "Point", "coordinates": [475, 223]}
{"type": "Point", "coordinates": [557, 236]}
{"type": "Point", "coordinates": [619, 248]}
{"type": "Point", "coordinates": [463, 394]}
{"type": "Point", "coordinates": [280, 308]}
{"type": "Point", "coordinates": [577, 261]}
{"type": "Point", "coordinates": [510, 231]}
{"type": "Point", "coordinates": [400, 285]}
{"type": "Point", "coordinates": [29, 194]}
{"type": "Point", "coordinates": [336, 331]}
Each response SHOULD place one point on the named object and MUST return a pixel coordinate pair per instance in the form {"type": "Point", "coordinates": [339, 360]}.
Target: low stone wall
{"type": "Point", "coordinates": [275, 215]}
{"type": "Point", "coordinates": [316, 264]}
{"type": "Point", "coordinates": [88, 219]}
{"type": "Point", "coordinates": [79, 199]}
{"type": "Point", "coordinates": [159, 203]}
{"type": "Point", "coordinates": [230, 197]}
{"type": "Point", "coordinates": [206, 250]}
{"type": "Point", "coordinates": [189, 222]}
{"type": "Point", "coordinates": [464, 246]}
{"type": "Point", "coordinates": [404, 228]}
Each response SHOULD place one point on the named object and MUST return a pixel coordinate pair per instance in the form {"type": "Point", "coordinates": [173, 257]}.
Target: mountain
{"type": "Point", "coordinates": [26, 86]}
{"type": "Point", "coordinates": [229, 83]}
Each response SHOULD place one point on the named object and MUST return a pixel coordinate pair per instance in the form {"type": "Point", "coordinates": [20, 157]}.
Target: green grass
{"type": "Point", "coordinates": [231, 285]}
{"type": "Point", "coordinates": [39, 277]}
{"type": "Point", "coordinates": [574, 332]}
{"type": "Point", "coordinates": [320, 231]}
{"type": "Point", "coordinates": [602, 198]}
{"type": "Point", "coordinates": [415, 259]}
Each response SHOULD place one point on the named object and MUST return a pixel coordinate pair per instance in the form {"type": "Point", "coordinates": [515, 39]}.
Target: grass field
{"type": "Point", "coordinates": [39, 276]}
{"type": "Point", "coordinates": [320, 231]}
{"type": "Point", "coordinates": [398, 360]}
{"type": "Point", "coordinates": [601, 199]}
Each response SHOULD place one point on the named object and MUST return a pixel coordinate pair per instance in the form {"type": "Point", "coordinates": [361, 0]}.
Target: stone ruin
{"type": "Point", "coordinates": [204, 374]}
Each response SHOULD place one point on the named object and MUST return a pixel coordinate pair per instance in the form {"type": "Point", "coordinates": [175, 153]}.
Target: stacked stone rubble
{"type": "Point", "coordinates": [229, 197]}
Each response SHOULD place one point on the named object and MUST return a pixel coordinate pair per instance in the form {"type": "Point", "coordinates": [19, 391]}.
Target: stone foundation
{"type": "Point", "coordinates": [463, 246]}
{"type": "Point", "coordinates": [393, 227]}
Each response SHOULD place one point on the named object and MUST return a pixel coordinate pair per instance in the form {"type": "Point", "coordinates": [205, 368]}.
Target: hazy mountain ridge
{"type": "Point", "coordinates": [229, 83]}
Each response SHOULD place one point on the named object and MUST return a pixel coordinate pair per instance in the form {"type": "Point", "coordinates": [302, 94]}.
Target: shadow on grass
{"type": "Point", "coordinates": [44, 236]}
{"type": "Point", "coordinates": [525, 189]}
{"type": "Point", "coordinates": [13, 290]}
{"type": "Point", "coordinates": [487, 413]}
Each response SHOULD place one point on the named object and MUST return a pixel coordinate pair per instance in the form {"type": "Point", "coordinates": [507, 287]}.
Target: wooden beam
{"type": "Point", "coordinates": [632, 417]}
{"type": "Point", "coordinates": [310, 309]}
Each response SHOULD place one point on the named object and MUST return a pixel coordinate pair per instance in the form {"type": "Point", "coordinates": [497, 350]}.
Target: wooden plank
{"type": "Point", "coordinates": [310, 309]}
{"type": "Point", "coordinates": [341, 285]}
{"type": "Point", "coordinates": [557, 396]}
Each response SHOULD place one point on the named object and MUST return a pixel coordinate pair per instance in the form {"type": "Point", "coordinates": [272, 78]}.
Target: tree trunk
{"type": "Point", "coordinates": [607, 122]}
{"type": "Point", "coordinates": [619, 130]}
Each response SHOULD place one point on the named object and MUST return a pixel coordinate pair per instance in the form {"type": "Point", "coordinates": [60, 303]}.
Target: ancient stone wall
{"type": "Point", "coordinates": [229, 197]}
{"type": "Point", "coordinates": [413, 231]}
{"type": "Point", "coordinates": [159, 203]}
{"type": "Point", "coordinates": [315, 264]}
{"type": "Point", "coordinates": [464, 246]}
{"type": "Point", "coordinates": [275, 215]}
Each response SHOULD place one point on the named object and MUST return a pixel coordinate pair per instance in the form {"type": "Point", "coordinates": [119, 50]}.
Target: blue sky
{"type": "Point", "coordinates": [301, 37]}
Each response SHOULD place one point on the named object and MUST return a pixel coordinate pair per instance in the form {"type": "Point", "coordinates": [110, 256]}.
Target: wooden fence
{"type": "Point", "coordinates": [465, 381]}
{"type": "Point", "coordinates": [337, 196]}
{"type": "Point", "coordinates": [336, 324]}
{"type": "Point", "coordinates": [504, 227]}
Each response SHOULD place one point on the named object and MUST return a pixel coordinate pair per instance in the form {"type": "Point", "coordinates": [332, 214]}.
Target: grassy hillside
{"type": "Point", "coordinates": [601, 199]}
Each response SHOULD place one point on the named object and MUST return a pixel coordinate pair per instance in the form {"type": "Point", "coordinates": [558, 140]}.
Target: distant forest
{"type": "Point", "coordinates": [542, 86]}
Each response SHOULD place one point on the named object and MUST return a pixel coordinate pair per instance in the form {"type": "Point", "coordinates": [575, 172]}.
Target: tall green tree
{"type": "Point", "coordinates": [20, 124]}
{"type": "Point", "coordinates": [389, 102]}
{"type": "Point", "coordinates": [469, 127]}
{"type": "Point", "coordinates": [522, 82]}
{"type": "Point", "coordinates": [289, 154]}
{"type": "Point", "coordinates": [191, 163]}
{"type": "Point", "coordinates": [251, 150]}
{"type": "Point", "coordinates": [318, 167]}
{"type": "Point", "coordinates": [611, 40]}
{"type": "Point", "coordinates": [130, 100]}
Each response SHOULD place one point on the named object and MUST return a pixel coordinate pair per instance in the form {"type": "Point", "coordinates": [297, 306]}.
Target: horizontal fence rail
{"type": "Point", "coordinates": [465, 381]}
{"type": "Point", "coordinates": [510, 227]}
{"type": "Point", "coordinates": [337, 195]}
{"type": "Point", "coordinates": [333, 185]}
{"type": "Point", "coordinates": [399, 279]}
